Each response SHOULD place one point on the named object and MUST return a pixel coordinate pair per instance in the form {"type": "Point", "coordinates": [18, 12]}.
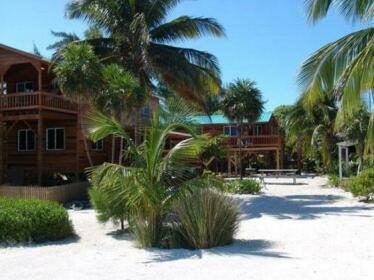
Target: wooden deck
{"type": "Point", "coordinates": [254, 141]}
{"type": "Point", "coordinates": [36, 101]}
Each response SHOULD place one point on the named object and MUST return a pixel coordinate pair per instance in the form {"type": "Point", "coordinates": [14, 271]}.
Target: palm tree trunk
{"type": "Point", "coordinates": [80, 120]}
{"type": "Point", "coordinates": [120, 151]}
{"type": "Point", "coordinates": [113, 148]}
{"type": "Point", "coordinates": [240, 150]}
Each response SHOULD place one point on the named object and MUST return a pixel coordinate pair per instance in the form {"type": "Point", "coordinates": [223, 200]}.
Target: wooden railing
{"type": "Point", "coordinates": [36, 100]}
{"type": "Point", "coordinates": [249, 141]}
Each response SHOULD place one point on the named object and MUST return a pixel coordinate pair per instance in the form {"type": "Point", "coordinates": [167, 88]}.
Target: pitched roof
{"type": "Point", "coordinates": [221, 119]}
{"type": "Point", "coordinates": [24, 54]}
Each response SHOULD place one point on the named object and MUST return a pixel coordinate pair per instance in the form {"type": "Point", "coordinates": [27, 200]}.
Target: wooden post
{"type": "Point", "coordinates": [1, 83]}
{"type": "Point", "coordinates": [229, 164]}
{"type": "Point", "coordinates": [40, 79]}
{"type": "Point", "coordinates": [340, 162]}
{"type": "Point", "coordinates": [77, 146]}
{"type": "Point", "coordinates": [40, 151]}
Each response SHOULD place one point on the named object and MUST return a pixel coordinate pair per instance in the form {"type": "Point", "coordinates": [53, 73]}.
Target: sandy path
{"type": "Point", "coordinates": [289, 232]}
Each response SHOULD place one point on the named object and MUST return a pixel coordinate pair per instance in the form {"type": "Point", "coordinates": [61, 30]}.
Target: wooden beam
{"type": "Point", "coordinates": [11, 128]}
{"type": "Point", "coordinates": [277, 158]}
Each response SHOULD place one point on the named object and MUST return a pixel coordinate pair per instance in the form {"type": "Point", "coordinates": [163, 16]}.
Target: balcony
{"type": "Point", "coordinates": [37, 100]}
{"type": "Point", "coordinates": [254, 141]}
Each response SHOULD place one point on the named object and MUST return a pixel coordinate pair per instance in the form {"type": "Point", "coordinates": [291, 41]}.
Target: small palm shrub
{"type": "Point", "coordinates": [206, 218]}
{"type": "Point", "coordinates": [334, 180]}
{"type": "Point", "coordinates": [362, 185]}
{"type": "Point", "coordinates": [106, 209]}
{"type": "Point", "coordinates": [249, 186]}
{"type": "Point", "coordinates": [32, 221]}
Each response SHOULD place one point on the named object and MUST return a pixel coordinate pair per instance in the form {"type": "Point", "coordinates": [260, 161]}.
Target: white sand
{"type": "Point", "coordinates": [289, 232]}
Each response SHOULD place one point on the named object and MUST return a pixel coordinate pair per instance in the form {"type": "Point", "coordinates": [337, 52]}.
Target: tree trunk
{"type": "Point", "coordinates": [80, 119]}
{"type": "Point", "coordinates": [113, 148]}
{"type": "Point", "coordinates": [240, 150]}
{"type": "Point", "coordinates": [120, 151]}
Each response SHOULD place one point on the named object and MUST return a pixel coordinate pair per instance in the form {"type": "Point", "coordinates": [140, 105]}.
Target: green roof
{"type": "Point", "coordinates": [221, 119]}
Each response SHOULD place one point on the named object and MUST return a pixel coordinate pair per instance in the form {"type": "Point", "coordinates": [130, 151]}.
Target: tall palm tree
{"type": "Point", "coordinates": [154, 180]}
{"type": "Point", "coordinates": [351, 58]}
{"type": "Point", "coordinates": [138, 35]}
{"type": "Point", "coordinates": [242, 102]}
{"type": "Point", "coordinates": [79, 76]}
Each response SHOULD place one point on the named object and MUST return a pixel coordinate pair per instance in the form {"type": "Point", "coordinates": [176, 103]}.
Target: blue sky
{"type": "Point", "coordinates": [267, 40]}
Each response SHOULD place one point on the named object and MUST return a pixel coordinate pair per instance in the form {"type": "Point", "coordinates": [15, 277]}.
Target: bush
{"type": "Point", "coordinates": [32, 221]}
{"type": "Point", "coordinates": [362, 185]}
{"type": "Point", "coordinates": [249, 186]}
{"type": "Point", "coordinates": [206, 218]}
{"type": "Point", "coordinates": [334, 180]}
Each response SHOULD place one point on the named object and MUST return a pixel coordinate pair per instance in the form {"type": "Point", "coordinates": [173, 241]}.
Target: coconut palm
{"type": "Point", "coordinates": [79, 76]}
{"type": "Point", "coordinates": [351, 58]}
{"type": "Point", "coordinates": [138, 35]}
{"type": "Point", "coordinates": [154, 180]}
{"type": "Point", "coordinates": [311, 129]}
{"type": "Point", "coordinates": [242, 102]}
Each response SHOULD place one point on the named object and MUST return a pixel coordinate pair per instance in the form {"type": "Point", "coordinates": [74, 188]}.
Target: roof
{"type": "Point", "coordinates": [24, 54]}
{"type": "Point", "coordinates": [221, 119]}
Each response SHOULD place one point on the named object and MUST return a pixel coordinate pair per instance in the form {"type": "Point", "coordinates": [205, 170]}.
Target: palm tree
{"type": "Point", "coordinates": [154, 180]}
{"type": "Point", "coordinates": [138, 35]}
{"type": "Point", "coordinates": [347, 63]}
{"type": "Point", "coordinates": [242, 102]}
{"type": "Point", "coordinates": [79, 76]}
{"type": "Point", "coordinates": [311, 129]}
{"type": "Point", "coordinates": [119, 93]}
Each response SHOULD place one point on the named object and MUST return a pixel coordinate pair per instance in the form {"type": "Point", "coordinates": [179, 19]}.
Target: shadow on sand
{"type": "Point", "coordinates": [295, 206]}
{"type": "Point", "coordinates": [66, 241]}
{"type": "Point", "coordinates": [259, 248]}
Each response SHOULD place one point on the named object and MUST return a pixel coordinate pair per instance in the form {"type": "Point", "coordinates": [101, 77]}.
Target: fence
{"type": "Point", "coordinates": [62, 194]}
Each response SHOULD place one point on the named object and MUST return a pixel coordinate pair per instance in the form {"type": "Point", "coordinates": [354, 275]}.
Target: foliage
{"type": "Point", "coordinates": [206, 219]}
{"type": "Point", "coordinates": [247, 186]}
{"type": "Point", "coordinates": [138, 35]}
{"type": "Point", "coordinates": [213, 150]}
{"type": "Point", "coordinates": [154, 180]}
{"type": "Point", "coordinates": [346, 65]}
{"type": "Point", "coordinates": [310, 130]}
{"type": "Point", "coordinates": [32, 221]}
{"type": "Point", "coordinates": [108, 208]}
{"type": "Point", "coordinates": [281, 114]}
{"type": "Point", "coordinates": [242, 103]}
{"type": "Point", "coordinates": [362, 185]}
{"type": "Point", "coordinates": [334, 180]}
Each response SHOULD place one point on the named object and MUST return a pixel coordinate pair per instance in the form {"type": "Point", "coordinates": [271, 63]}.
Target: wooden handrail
{"type": "Point", "coordinates": [254, 140]}
{"type": "Point", "coordinates": [36, 100]}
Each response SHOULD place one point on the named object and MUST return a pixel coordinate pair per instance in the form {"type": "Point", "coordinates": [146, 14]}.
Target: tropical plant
{"type": "Point", "coordinates": [79, 77]}
{"type": "Point", "coordinates": [248, 186]}
{"type": "Point", "coordinates": [362, 185]}
{"type": "Point", "coordinates": [347, 64]}
{"type": "Point", "coordinates": [310, 130]}
{"type": "Point", "coordinates": [213, 150]}
{"type": "Point", "coordinates": [241, 104]}
{"type": "Point", "coordinates": [353, 128]}
{"type": "Point", "coordinates": [138, 35]}
{"type": "Point", "coordinates": [155, 179]}
{"type": "Point", "coordinates": [206, 218]}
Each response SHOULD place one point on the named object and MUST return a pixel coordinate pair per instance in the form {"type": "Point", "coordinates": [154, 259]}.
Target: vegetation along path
{"type": "Point", "coordinates": [306, 231]}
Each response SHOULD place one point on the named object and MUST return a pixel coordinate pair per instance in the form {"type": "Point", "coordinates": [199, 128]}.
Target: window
{"type": "Point", "coordinates": [24, 87]}
{"type": "Point", "coordinates": [98, 146]}
{"type": "Point", "coordinates": [26, 140]}
{"type": "Point", "coordinates": [257, 130]}
{"type": "Point", "coordinates": [55, 139]}
{"type": "Point", "coordinates": [230, 130]}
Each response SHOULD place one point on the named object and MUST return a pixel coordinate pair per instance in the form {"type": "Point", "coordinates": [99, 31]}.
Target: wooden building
{"type": "Point", "coordinates": [261, 142]}
{"type": "Point", "coordinates": [40, 133]}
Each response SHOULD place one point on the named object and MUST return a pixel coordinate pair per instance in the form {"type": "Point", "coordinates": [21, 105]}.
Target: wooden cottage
{"type": "Point", "coordinates": [262, 144]}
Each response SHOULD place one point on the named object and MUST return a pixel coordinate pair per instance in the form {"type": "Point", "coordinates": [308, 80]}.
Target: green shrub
{"type": "Point", "coordinates": [249, 186]}
{"type": "Point", "coordinates": [362, 185]}
{"type": "Point", "coordinates": [32, 221]}
{"type": "Point", "coordinates": [206, 218]}
{"type": "Point", "coordinates": [106, 208]}
{"type": "Point", "coordinates": [334, 180]}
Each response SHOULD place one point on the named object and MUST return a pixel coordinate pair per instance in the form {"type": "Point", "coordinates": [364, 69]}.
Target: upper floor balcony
{"type": "Point", "coordinates": [36, 101]}
{"type": "Point", "coordinates": [254, 141]}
